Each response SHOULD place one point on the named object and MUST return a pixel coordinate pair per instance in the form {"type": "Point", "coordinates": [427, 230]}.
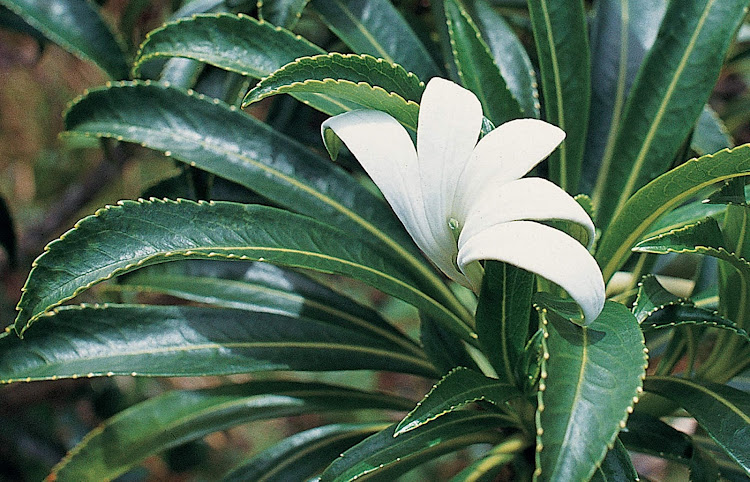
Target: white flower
{"type": "Point", "coordinates": [463, 201]}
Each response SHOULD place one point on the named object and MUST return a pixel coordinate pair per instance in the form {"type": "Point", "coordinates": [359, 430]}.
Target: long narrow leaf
{"type": "Point", "coordinates": [303, 455]}
{"type": "Point", "coordinates": [476, 67]}
{"type": "Point", "coordinates": [621, 34]}
{"type": "Point", "coordinates": [668, 95]}
{"type": "Point", "coordinates": [87, 341]}
{"type": "Point", "coordinates": [661, 196]}
{"type": "Point", "coordinates": [265, 288]}
{"type": "Point", "coordinates": [237, 43]}
{"type": "Point", "coordinates": [120, 239]}
{"type": "Point", "coordinates": [561, 40]}
{"type": "Point", "coordinates": [384, 457]}
{"type": "Point", "coordinates": [77, 27]}
{"type": "Point", "coordinates": [723, 411]}
{"type": "Point", "coordinates": [601, 365]}
{"type": "Point", "coordinates": [179, 416]}
{"type": "Point", "coordinates": [502, 317]}
{"type": "Point", "coordinates": [375, 27]}
{"type": "Point", "coordinates": [457, 389]}
{"type": "Point", "coordinates": [222, 140]}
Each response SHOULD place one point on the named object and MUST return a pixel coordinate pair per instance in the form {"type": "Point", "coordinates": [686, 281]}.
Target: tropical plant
{"type": "Point", "coordinates": [260, 233]}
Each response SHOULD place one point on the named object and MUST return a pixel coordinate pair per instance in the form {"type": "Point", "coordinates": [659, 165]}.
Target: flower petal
{"type": "Point", "coordinates": [543, 250]}
{"type": "Point", "coordinates": [529, 198]}
{"type": "Point", "coordinates": [508, 152]}
{"type": "Point", "coordinates": [386, 152]}
{"type": "Point", "coordinates": [450, 118]}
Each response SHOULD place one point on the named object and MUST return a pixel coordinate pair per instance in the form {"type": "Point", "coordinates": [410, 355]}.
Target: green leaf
{"type": "Point", "coordinates": [76, 26]}
{"type": "Point", "coordinates": [662, 195]}
{"type": "Point", "coordinates": [487, 468]}
{"type": "Point", "coordinates": [590, 381]}
{"type": "Point", "coordinates": [649, 435]}
{"type": "Point", "coordinates": [560, 35]}
{"type": "Point", "coordinates": [236, 43]}
{"type": "Point", "coordinates": [723, 411]}
{"type": "Point", "coordinates": [336, 83]}
{"type": "Point", "coordinates": [710, 134]}
{"type": "Point", "coordinates": [656, 308]}
{"type": "Point", "coordinates": [443, 348]}
{"type": "Point", "coordinates": [224, 141]}
{"type": "Point", "coordinates": [510, 56]}
{"type": "Point", "coordinates": [284, 13]}
{"type": "Point", "coordinates": [502, 318]}
{"type": "Point", "coordinates": [668, 95]}
{"type": "Point", "coordinates": [116, 240]}
{"type": "Point", "coordinates": [392, 78]}
{"type": "Point", "coordinates": [383, 457]}
{"type": "Point", "coordinates": [703, 237]}
{"type": "Point", "coordinates": [180, 416]}
{"type": "Point", "coordinates": [621, 34]}
{"type": "Point", "coordinates": [460, 387]}
{"type": "Point", "coordinates": [87, 341]}
{"type": "Point", "coordinates": [375, 27]}
{"type": "Point", "coordinates": [304, 454]}
{"type": "Point", "coordinates": [651, 298]}
{"type": "Point", "coordinates": [616, 466]}
{"type": "Point", "coordinates": [732, 193]}
{"type": "Point", "coordinates": [476, 67]}
{"type": "Point", "coordinates": [265, 288]}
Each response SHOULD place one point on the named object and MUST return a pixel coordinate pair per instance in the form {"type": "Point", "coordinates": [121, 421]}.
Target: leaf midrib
{"type": "Point", "coordinates": [651, 134]}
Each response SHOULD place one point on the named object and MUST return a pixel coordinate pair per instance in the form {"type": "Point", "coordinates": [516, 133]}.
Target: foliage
{"type": "Point", "coordinates": [257, 240]}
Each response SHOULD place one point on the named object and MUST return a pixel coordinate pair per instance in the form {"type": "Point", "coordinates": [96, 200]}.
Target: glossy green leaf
{"type": "Point", "coordinates": [616, 466]}
{"type": "Point", "coordinates": [590, 382]}
{"type": "Point", "coordinates": [661, 196]}
{"type": "Point", "coordinates": [383, 457]}
{"type": "Point", "coordinates": [224, 141]}
{"type": "Point", "coordinates": [443, 348]}
{"type": "Point", "coordinates": [115, 241]}
{"type": "Point", "coordinates": [722, 411]}
{"type": "Point", "coordinates": [651, 298]}
{"type": "Point", "coordinates": [337, 83]}
{"type": "Point", "coordinates": [703, 237]}
{"type": "Point", "coordinates": [284, 13]}
{"type": "Point", "coordinates": [509, 55]}
{"type": "Point", "coordinates": [377, 72]}
{"type": "Point", "coordinates": [304, 454]}
{"type": "Point", "coordinates": [265, 288]}
{"type": "Point", "coordinates": [460, 387]}
{"type": "Point", "coordinates": [502, 317]}
{"type": "Point", "coordinates": [710, 134]}
{"type": "Point", "coordinates": [732, 193]}
{"type": "Point", "coordinates": [487, 468]}
{"type": "Point", "coordinates": [668, 95]}
{"type": "Point", "coordinates": [655, 308]}
{"type": "Point", "coordinates": [237, 43]}
{"type": "Point", "coordinates": [476, 67]}
{"type": "Point", "coordinates": [179, 416]}
{"type": "Point", "coordinates": [98, 340]}
{"type": "Point", "coordinates": [560, 35]}
{"type": "Point", "coordinates": [621, 34]}
{"type": "Point", "coordinates": [651, 436]}
{"type": "Point", "coordinates": [76, 26]}
{"type": "Point", "coordinates": [375, 27]}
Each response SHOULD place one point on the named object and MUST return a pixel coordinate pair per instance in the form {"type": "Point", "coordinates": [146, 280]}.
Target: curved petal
{"type": "Point", "coordinates": [530, 198]}
{"type": "Point", "coordinates": [450, 118]}
{"type": "Point", "coordinates": [386, 152]}
{"type": "Point", "coordinates": [543, 250]}
{"type": "Point", "coordinates": [508, 152]}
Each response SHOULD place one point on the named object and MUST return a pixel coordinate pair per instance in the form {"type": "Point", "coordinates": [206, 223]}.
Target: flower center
{"type": "Point", "coordinates": [455, 228]}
